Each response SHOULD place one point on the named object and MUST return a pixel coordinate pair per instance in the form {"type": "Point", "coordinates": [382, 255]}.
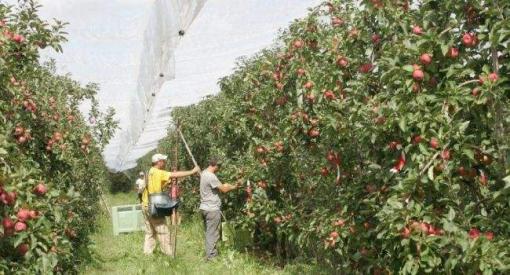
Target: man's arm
{"type": "Point", "coordinates": [182, 174]}
{"type": "Point", "coordinates": [224, 188]}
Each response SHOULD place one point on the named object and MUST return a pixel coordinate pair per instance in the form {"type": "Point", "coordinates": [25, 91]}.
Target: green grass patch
{"type": "Point", "coordinates": [123, 254]}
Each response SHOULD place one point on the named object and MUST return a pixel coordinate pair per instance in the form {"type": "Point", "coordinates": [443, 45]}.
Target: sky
{"type": "Point", "coordinates": [124, 46]}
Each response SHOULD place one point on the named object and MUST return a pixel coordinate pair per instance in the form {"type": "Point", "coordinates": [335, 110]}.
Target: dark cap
{"type": "Point", "coordinates": [215, 161]}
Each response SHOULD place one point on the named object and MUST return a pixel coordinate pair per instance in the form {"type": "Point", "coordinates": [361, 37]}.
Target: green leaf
{"type": "Point", "coordinates": [451, 214]}
{"type": "Point", "coordinates": [402, 124]}
{"type": "Point", "coordinates": [463, 126]}
{"type": "Point", "coordinates": [430, 173]}
{"type": "Point", "coordinates": [483, 212]}
{"type": "Point", "coordinates": [444, 49]}
{"type": "Point", "coordinates": [507, 180]}
{"type": "Point", "coordinates": [469, 153]}
{"type": "Point", "coordinates": [408, 68]}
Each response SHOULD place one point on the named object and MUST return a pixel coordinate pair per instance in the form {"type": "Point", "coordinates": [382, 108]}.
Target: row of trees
{"type": "Point", "coordinates": [51, 168]}
{"type": "Point", "coordinates": [374, 137]}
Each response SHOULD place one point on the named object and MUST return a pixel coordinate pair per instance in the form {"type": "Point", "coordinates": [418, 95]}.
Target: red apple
{"type": "Point", "coordinates": [310, 98]}
{"type": "Point", "coordinates": [33, 214]}
{"type": "Point", "coordinates": [418, 75]}
{"type": "Point", "coordinates": [484, 179]}
{"type": "Point", "coordinates": [298, 43]}
{"type": "Point", "coordinates": [281, 101]}
{"type": "Point", "coordinates": [313, 132]}
{"type": "Point", "coordinates": [18, 130]}
{"type": "Point", "coordinates": [301, 72]}
{"type": "Point", "coordinates": [57, 136]}
{"type": "Point", "coordinates": [405, 233]}
{"type": "Point", "coordinates": [425, 59]}
{"type": "Point", "coordinates": [20, 226]}
{"type": "Point", "coordinates": [475, 92]}
{"type": "Point", "coordinates": [333, 157]}
{"type": "Point", "coordinates": [445, 154]}
{"type": "Point", "coordinates": [22, 249]}
{"type": "Point", "coordinates": [40, 189]}
{"type": "Point", "coordinates": [469, 39]}
{"type": "Point", "coordinates": [261, 149]}
{"type": "Point", "coordinates": [7, 223]}
{"type": "Point", "coordinates": [329, 95]}
{"type": "Point", "coordinates": [279, 146]}
{"type": "Point", "coordinates": [340, 222]}
{"type": "Point", "coordinates": [434, 143]}
{"type": "Point", "coordinates": [8, 198]}
{"type": "Point", "coordinates": [489, 235]}
{"type": "Point", "coordinates": [453, 53]}
{"type": "Point", "coordinates": [86, 140]}
{"type": "Point", "coordinates": [342, 62]}
{"type": "Point", "coordinates": [474, 233]}
{"type": "Point", "coordinates": [23, 214]}
{"type": "Point", "coordinates": [417, 30]}
{"type": "Point", "coordinates": [18, 38]}
{"type": "Point", "coordinates": [417, 139]}
{"type": "Point", "coordinates": [376, 38]}
{"type": "Point", "coordinates": [324, 171]}
{"type": "Point", "coordinates": [399, 164]}
{"type": "Point", "coordinates": [333, 235]}
{"type": "Point", "coordinates": [366, 68]}
{"type": "Point", "coordinates": [493, 77]}
{"type": "Point", "coordinates": [308, 85]}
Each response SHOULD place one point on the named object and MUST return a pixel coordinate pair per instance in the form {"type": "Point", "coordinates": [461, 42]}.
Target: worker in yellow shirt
{"type": "Point", "coordinates": [158, 179]}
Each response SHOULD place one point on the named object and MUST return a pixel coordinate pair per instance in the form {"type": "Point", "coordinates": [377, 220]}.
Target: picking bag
{"type": "Point", "coordinates": [161, 205]}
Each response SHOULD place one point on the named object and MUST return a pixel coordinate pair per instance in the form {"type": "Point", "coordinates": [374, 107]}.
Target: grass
{"type": "Point", "coordinates": [123, 254]}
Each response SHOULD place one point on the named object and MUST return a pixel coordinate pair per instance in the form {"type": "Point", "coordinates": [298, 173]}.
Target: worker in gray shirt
{"type": "Point", "coordinates": [210, 205]}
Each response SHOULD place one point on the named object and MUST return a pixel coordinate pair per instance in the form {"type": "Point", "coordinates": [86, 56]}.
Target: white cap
{"type": "Point", "coordinates": [141, 174]}
{"type": "Point", "coordinates": [158, 157]}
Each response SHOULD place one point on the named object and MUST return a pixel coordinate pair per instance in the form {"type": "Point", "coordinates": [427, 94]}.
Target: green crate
{"type": "Point", "coordinates": [236, 237]}
{"type": "Point", "coordinates": [127, 218]}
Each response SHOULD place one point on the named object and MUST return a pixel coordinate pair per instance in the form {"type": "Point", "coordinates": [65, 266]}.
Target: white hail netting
{"type": "Point", "coordinates": [133, 50]}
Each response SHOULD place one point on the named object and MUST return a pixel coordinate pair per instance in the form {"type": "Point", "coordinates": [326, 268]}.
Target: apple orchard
{"type": "Point", "coordinates": [375, 138]}
{"type": "Point", "coordinates": [51, 168]}
{"type": "Point", "coordinates": [374, 135]}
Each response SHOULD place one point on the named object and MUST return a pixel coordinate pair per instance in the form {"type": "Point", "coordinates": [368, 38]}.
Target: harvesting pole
{"type": "Point", "coordinates": [186, 145]}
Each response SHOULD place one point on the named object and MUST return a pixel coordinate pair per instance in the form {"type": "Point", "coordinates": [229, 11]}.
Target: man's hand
{"type": "Point", "coordinates": [196, 169]}
{"type": "Point", "coordinates": [239, 183]}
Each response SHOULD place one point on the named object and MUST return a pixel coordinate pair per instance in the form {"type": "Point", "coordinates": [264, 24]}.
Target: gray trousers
{"type": "Point", "coordinates": [212, 220]}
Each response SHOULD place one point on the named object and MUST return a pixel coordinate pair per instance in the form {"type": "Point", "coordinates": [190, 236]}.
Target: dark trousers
{"type": "Point", "coordinates": [212, 220]}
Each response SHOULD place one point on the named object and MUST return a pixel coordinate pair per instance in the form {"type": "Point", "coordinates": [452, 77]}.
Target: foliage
{"type": "Point", "coordinates": [120, 182]}
{"type": "Point", "coordinates": [375, 137]}
{"type": "Point", "coordinates": [51, 167]}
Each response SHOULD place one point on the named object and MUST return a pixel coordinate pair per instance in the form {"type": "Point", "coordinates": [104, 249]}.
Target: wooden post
{"type": "Point", "coordinates": [175, 219]}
